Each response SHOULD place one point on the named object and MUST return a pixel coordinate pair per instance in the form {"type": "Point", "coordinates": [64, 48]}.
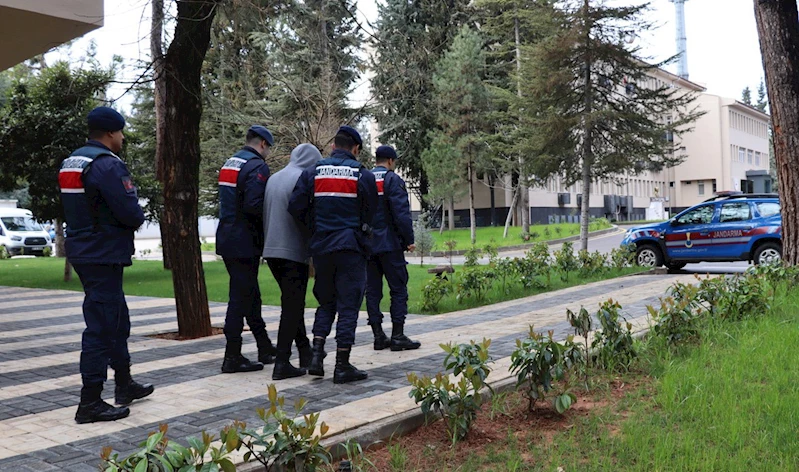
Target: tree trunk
{"type": "Point", "coordinates": [159, 96]}
{"type": "Point", "coordinates": [779, 44]}
{"type": "Point", "coordinates": [587, 150]}
{"type": "Point", "coordinates": [441, 226]}
{"type": "Point", "coordinates": [472, 220]}
{"type": "Point", "coordinates": [180, 152]}
{"type": "Point", "coordinates": [524, 194]}
{"type": "Point", "coordinates": [451, 214]}
{"type": "Point", "coordinates": [510, 212]}
{"type": "Point", "coordinates": [493, 199]}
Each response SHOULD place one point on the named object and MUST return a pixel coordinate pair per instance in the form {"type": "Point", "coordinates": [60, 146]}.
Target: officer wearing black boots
{"type": "Point", "coordinates": [393, 235]}
{"type": "Point", "coordinates": [336, 200]}
{"type": "Point", "coordinates": [102, 211]}
{"type": "Point", "coordinates": [240, 240]}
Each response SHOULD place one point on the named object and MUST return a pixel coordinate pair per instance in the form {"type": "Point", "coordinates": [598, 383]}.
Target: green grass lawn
{"type": "Point", "coordinates": [486, 235]}
{"type": "Point", "coordinates": [147, 278]}
{"type": "Point", "coordinates": [726, 403]}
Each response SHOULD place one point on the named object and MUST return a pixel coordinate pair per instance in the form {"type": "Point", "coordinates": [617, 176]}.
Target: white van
{"type": "Point", "coordinates": [20, 234]}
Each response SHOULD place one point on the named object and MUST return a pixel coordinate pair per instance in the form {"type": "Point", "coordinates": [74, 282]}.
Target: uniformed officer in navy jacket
{"type": "Point", "coordinates": [102, 211]}
{"type": "Point", "coordinates": [240, 240]}
{"type": "Point", "coordinates": [392, 236]}
{"type": "Point", "coordinates": [336, 200]}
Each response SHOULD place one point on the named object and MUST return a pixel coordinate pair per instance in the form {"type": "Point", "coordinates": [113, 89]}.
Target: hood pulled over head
{"type": "Point", "coordinates": [305, 156]}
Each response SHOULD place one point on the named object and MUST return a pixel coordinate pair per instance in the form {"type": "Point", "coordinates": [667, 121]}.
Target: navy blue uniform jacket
{"type": "Point", "coordinates": [240, 234]}
{"type": "Point", "coordinates": [326, 240]}
{"type": "Point", "coordinates": [113, 204]}
{"type": "Point", "coordinates": [393, 226]}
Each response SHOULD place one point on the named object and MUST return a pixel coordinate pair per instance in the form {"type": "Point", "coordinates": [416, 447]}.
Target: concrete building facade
{"type": "Point", "coordinates": [728, 149]}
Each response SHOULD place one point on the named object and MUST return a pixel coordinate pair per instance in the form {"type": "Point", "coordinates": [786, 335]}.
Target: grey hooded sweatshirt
{"type": "Point", "coordinates": [283, 237]}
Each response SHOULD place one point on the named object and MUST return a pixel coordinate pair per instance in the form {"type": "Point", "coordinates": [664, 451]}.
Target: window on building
{"type": "Point", "coordinates": [741, 155]}
{"type": "Point", "coordinates": [747, 186]}
{"type": "Point", "coordinates": [757, 159]}
{"type": "Point", "coordinates": [701, 187]}
{"type": "Point", "coordinates": [767, 209]}
{"type": "Point", "coordinates": [750, 156]}
{"type": "Point", "coordinates": [714, 188]}
{"type": "Point", "coordinates": [731, 212]}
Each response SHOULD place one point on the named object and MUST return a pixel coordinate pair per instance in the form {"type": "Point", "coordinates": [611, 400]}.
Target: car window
{"type": "Point", "coordinates": [767, 209]}
{"type": "Point", "coordinates": [740, 211]}
{"type": "Point", "coordinates": [698, 216]}
{"type": "Point", "coordinates": [21, 223]}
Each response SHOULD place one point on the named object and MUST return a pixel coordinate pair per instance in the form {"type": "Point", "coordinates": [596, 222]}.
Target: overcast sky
{"type": "Point", "coordinates": [723, 49]}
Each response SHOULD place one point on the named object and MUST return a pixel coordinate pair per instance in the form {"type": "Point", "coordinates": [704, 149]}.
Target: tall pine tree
{"type": "Point", "coordinates": [411, 37]}
{"type": "Point", "coordinates": [602, 116]}
{"type": "Point", "coordinates": [462, 105]}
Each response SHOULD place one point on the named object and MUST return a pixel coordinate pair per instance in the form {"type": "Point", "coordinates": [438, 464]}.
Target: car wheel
{"type": "Point", "coordinates": [675, 266]}
{"type": "Point", "coordinates": [648, 256]}
{"type": "Point", "coordinates": [768, 253]}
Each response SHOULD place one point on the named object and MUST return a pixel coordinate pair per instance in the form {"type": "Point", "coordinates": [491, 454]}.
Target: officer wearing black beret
{"type": "Point", "coordinates": [336, 201]}
{"type": "Point", "coordinates": [102, 212]}
{"type": "Point", "coordinates": [393, 235]}
{"type": "Point", "coordinates": [240, 240]}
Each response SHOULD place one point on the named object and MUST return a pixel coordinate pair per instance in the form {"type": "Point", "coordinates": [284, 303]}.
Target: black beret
{"type": "Point", "coordinates": [264, 133]}
{"type": "Point", "coordinates": [105, 119]}
{"type": "Point", "coordinates": [386, 152]}
{"type": "Point", "coordinates": [351, 132]}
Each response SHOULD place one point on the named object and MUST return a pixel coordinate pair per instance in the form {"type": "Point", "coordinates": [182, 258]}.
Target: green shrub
{"type": "Point", "coordinates": [676, 321]}
{"type": "Point", "coordinates": [591, 264]}
{"type": "Point", "coordinates": [534, 265]}
{"type": "Point", "coordinates": [474, 282]}
{"type": "Point", "coordinates": [471, 257]}
{"type": "Point", "coordinates": [566, 261]}
{"type": "Point", "coordinates": [457, 403]}
{"type": "Point", "coordinates": [743, 296]}
{"type": "Point", "coordinates": [434, 291]}
{"type": "Point", "coordinates": [582, 324]}
{"type": "Point", "coordinates": [623, 256]}
{"type": "Point", "coordinates": [614, 342]}
{"type": "Point", "coordinates": [47, 252]}
{"type": "Point", "coordinates": [4, 253]}
{"type": "Point", "coordinates": [539, 363]}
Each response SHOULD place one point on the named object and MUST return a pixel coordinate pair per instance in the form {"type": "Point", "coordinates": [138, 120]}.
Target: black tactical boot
{"type": "Point", "coordinates": [381, 340]}
{"type": "Point", "coordinates": [235, 362]}
{"type": "Point", "coordinates": [127, 389]}
{"type": "Point", "coordinates": [318, 354]}
{"type": "Point", "coordinates": [400, 342]}
{"type": "Point", "coordinates": [346, 372]}
{"type": "Point", "coordinates": [284, 370]}
{"type": "Point", "coordinates": [305, 355]}
{"type": "Point", "coordinates": [93, 409]}
{"type": "Point", "coordinates": [266, 351]}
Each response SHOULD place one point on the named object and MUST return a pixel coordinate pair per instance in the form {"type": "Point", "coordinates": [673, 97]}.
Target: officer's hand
{"type": "Point", "coordinates": [412, 248]}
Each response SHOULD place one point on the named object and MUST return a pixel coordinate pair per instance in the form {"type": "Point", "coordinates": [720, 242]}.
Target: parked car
{"type": "Point", "coordinates": [20, 234]}
{"type": "Point", "coordinates": [726, 228]}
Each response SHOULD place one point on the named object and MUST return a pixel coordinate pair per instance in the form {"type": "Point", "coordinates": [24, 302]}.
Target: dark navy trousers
{"type": "Point", "coordinates": [105, 339]}
{"type": "Point", "coordinates": [244, 298]}
{"type": "Point", "coordinates": [394, 268]}
{"type": "Point", "coordinates": [339, 286]}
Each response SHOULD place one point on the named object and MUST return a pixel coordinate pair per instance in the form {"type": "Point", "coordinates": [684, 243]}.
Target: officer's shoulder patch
{"type": "Point", "coordinates": [261, 177]}
{"type": "Point", "coordinates": [128, 184]}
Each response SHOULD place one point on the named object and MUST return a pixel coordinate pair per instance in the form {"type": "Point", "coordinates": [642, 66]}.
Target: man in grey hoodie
{"type": "Point", "coordinates": [286, 252]}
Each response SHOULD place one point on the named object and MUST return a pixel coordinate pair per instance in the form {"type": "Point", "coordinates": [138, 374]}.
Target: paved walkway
{"type": "Point", "coordinates": [40, 334]}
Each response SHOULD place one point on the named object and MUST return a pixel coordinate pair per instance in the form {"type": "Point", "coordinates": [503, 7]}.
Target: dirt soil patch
{"type": "Point", "coordinates": [428, 448]}
{"type": "Point", "coordinates": [173, 335]}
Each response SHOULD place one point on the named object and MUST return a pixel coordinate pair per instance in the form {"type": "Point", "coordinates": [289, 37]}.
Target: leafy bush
{"type": "Point", "coordinates": [535, 264]}
{"type": "Point", "coordinates": [538, 362]}
{"type": "Point", "coordinates": [709, 292]}
{"type": "Point", "coordinates": [547, 233]}
{"type": "Point", "coordinates": [623, 256]}
{"type": "Point", "coordinates": [457, 403]}
{"type": "Point", "coordinates": [582, 324]}
{"type": "Point", "coordinates": [4, 253]}
{"type": "Point", "coordinates": [534, 235]}
{"type": "Point", "coordinates": [525, 236]}
{"type": "Point", "coordinates": [491, 251]}
{"type": "Point", "coordinates": [160, 454]}
{"type": "Point", "coordinates": [471, 257]}
{"type": "Point", "coordinates": [676, 319]}
{"type": "Point", "coordinates": [505, 269]}
{"type": "Point", "coordinates": [743, 296]}
{"type": "Point", "coordinates": [450, 245]}
{"type": "Point", "coordinates": [591, 263]}
{"type": "Point", "coordinates": [47, 252]}
{"type": "Point", "coordinates": [558, 230]}
{"type": "Point", "coordinates": [566, 261]}
{"type": "Point", "coordinates": [614, 342]}
{"type": "Point", "coordinates": [286, 441]}
{"type": "Point", "coordinates": [434, 291]}
{"type": "Point", "coordinates": [474, 282]}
